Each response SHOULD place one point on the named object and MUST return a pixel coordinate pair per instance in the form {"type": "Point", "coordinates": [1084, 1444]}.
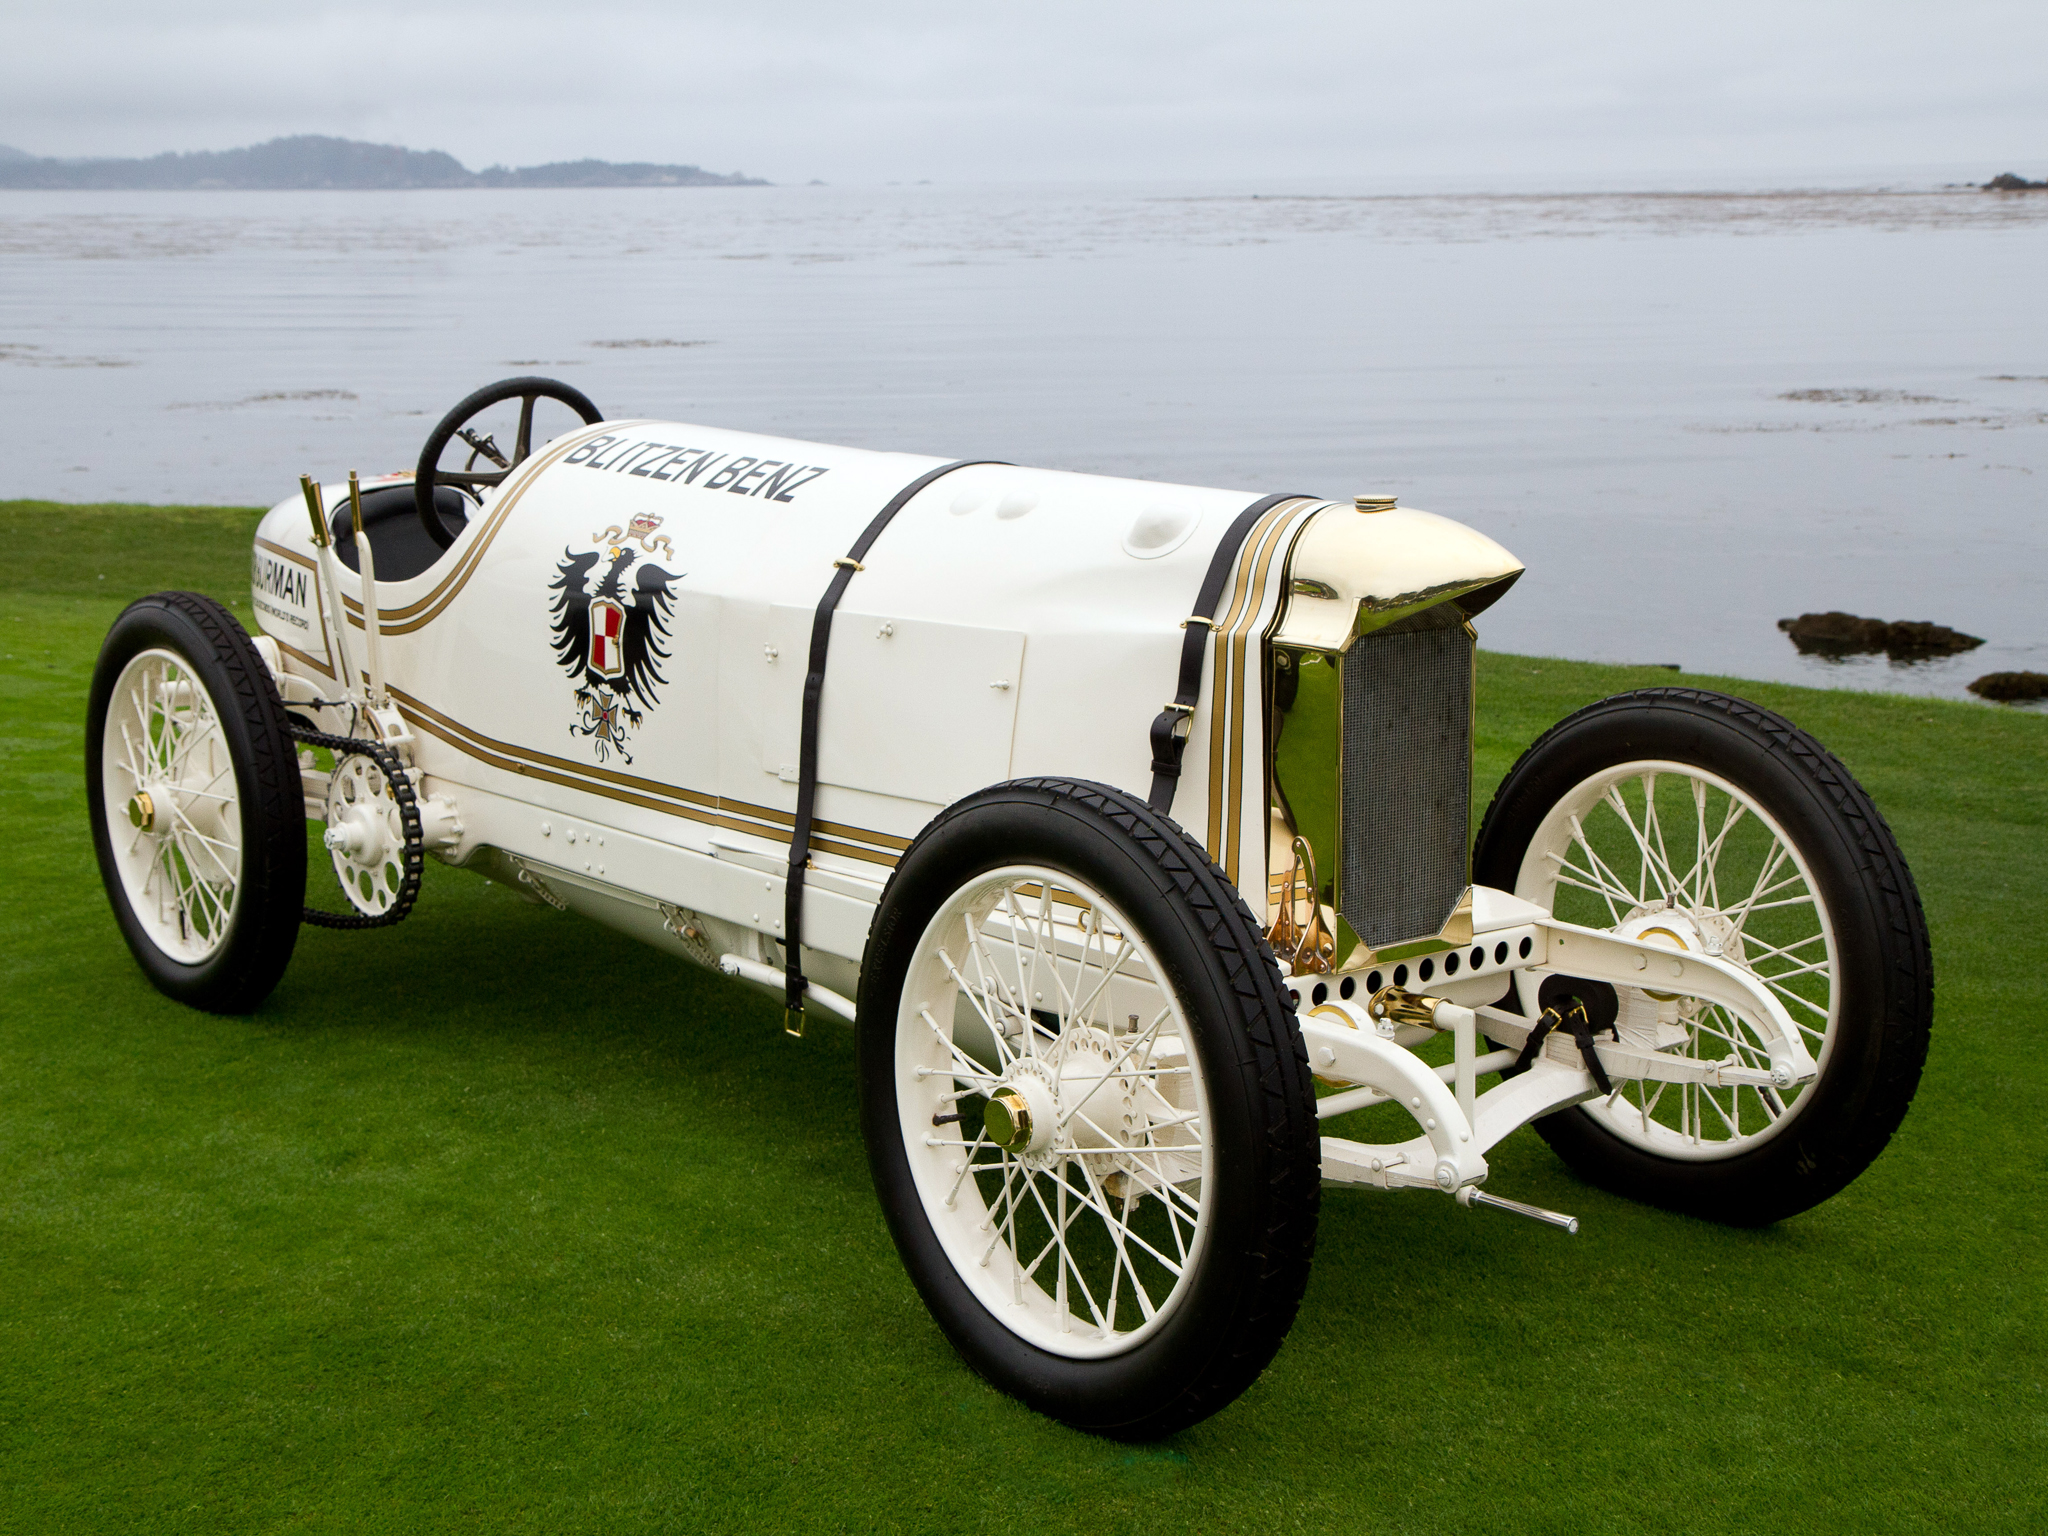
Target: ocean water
{"type": "Point", "coordinates": [1690, 414]}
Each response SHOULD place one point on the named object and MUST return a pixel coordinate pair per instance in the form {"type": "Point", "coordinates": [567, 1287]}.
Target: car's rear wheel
{"type": "Point", "coordinates": [1087, 1107]}
{"type": "Point", "coordinates": [198, 817]}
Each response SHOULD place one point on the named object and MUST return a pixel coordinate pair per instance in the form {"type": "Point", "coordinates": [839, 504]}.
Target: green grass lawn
{"type": "Point", "coordinates": [494, 1220]}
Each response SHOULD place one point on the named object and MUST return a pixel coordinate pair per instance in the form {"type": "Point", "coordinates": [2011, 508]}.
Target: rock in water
{"type": "Point", "coordinates": [1834, 634]}
{"type": "Point", "coordinates": [1913, 640]}
{"type": "Point", "coordinates": [2006, 687]}
{"type": "Point", "coordinates": [1844, 634]}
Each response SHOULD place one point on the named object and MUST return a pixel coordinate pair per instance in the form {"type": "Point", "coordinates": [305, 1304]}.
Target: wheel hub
{"type": "Point", "coordinates": [142, 811]}
{"type": "Point", "coordinates": [1692, 933]}
{"type": "Point", "coordinates": [365, 833]}
{"type": "Point", "coordinates": [1083, 1107]}
{"type": "Point", "coordinates": [1698, 933]}
{"type": "Point", "coordinates": [1671, 927]}
{"type": "Point", "coordinates": [1023, 1113]}
{"type": "Point", "coordinates": [1100, 1092]}
{"type": "Point", "coordinates": [358, 835]}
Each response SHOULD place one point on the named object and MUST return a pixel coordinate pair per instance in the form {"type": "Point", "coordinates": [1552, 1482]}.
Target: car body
{"type": "Point", "coordinates": [1010, 622]}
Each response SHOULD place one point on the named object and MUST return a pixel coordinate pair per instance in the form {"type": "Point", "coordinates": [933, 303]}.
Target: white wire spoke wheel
{"type": "Point", "coordinates": [1088, 1112]}
{"type": "Point", "coordinates": [1679, 857]}
{"type": "Point", "coordinates": [168, 774]}
{"type": "Point", "coordinates": [1711, 827]}
{"type": "Point", "coordinates": [196, 810]}
{"type": "Point", "coordinates": [1054, 1111]}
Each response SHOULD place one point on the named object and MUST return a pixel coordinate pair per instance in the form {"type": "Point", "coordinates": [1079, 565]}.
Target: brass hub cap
{"type": "Point", "coordinates": [142, 811]}
{"type": "Point", "coordinates": [1022, 1115]}
{"type": "Point", "coordinates": [1007, 1120]}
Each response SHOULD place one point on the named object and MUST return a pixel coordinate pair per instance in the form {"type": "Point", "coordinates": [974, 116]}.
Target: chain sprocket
{"type": "Point", "coordinates": [412, 859]}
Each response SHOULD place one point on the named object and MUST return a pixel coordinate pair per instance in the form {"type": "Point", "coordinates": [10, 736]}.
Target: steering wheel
{"type": "Point", "coordinates": [456, 424]}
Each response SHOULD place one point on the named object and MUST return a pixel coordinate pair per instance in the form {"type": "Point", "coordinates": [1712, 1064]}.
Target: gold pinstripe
{"type": "Point", "coordinates": [882, 848]}
{"type": "Point", "coordinates": [651, 794]}
{"type": "Point", "coordinates": [1239, 646]}
{"type": "Point", "coordinates": [1218, 691]}
{"type": "Point", "coordinates": [1226, 717]}
{"type": "Point", "coordinates": [425, 610]}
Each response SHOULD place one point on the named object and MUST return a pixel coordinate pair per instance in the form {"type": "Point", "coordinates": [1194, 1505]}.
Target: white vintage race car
{"type": "Point", "coordinates": [1115, 815]}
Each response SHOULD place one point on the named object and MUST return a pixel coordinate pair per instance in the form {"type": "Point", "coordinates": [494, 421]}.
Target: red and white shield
{"type": "Point", "coordinates": [607, 637]}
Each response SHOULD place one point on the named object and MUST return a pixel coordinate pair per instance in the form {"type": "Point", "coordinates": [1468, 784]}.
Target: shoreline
{"type": "Point", "coordinates": [212, 551]}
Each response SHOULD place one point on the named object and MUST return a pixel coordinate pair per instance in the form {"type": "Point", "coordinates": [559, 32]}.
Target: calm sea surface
{"type": "Point", "coordinates": [1690, 414]}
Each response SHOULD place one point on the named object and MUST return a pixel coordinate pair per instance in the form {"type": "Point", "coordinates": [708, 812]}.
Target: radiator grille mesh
{"type": "Point", "coordinates": [1407, 784]}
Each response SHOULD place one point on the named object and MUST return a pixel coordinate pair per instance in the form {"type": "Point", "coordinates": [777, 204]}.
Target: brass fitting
{"type": "Point", "coordinates": [142, 812]}
{"type": "Point", "coordinates": [316, 509]}
{"type": "Point", "coordinates": [1007, 1120]}
{"type": "Point", "coordinates": [1393, 1005]}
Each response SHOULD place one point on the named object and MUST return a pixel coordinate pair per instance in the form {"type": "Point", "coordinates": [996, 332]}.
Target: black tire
{"type": "Point", "coordinates": [1882, 976]}
{"type": "Point", "coordinates": [255, 939]}
{"type": "Point", "coordinates": [1264, 1195]}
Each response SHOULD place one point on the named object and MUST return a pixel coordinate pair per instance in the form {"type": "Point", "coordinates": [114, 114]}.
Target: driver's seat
{"type": "Point", "coordinates": [391, 518]}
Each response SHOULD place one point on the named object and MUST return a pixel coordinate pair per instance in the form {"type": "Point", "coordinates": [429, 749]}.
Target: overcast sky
{"type": "Point", "coordinates": [883, 90]}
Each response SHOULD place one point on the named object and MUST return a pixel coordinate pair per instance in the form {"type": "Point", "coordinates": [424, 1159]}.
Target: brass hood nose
{"type": "Point", "coordinates": [1350, 575]}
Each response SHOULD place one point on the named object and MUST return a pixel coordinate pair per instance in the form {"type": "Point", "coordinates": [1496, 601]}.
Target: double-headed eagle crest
{"type": "Point", "coordinates": [609, 638]}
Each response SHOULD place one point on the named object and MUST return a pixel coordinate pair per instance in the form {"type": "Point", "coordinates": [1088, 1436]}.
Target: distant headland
{"type": "Point", "coordinates": [311, 162]}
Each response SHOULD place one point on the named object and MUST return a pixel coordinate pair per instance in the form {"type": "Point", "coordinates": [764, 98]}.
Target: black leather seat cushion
{"type": "Point", "coordinates": [392, 520]}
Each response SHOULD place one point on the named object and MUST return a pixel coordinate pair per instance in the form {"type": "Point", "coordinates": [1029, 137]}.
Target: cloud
{"type": "Point", "coordinates": [1058, 89]}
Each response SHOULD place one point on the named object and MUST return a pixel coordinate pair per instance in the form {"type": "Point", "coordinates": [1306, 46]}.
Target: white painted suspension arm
{"type": "Point", "coordinates": [1446, 1156]}
{"type": "Point", "coordinates": [1457, 1132]}
{"type": "Point", "coordinates": [1597, 956]}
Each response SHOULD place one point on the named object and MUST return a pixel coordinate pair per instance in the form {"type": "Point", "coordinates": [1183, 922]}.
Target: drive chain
{"type": "Point", "coordinates": [412, 861]}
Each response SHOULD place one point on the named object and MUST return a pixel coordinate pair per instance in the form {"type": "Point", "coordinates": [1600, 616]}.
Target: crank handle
{"type": "Point", "coordinates": [1472, 1195]}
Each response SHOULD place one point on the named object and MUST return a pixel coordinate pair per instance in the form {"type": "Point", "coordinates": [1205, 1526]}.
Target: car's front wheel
{"type": "Point", "coordinates": [1704, 823]}
{"type": "Point", "coordinates": [1087, 1107]}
